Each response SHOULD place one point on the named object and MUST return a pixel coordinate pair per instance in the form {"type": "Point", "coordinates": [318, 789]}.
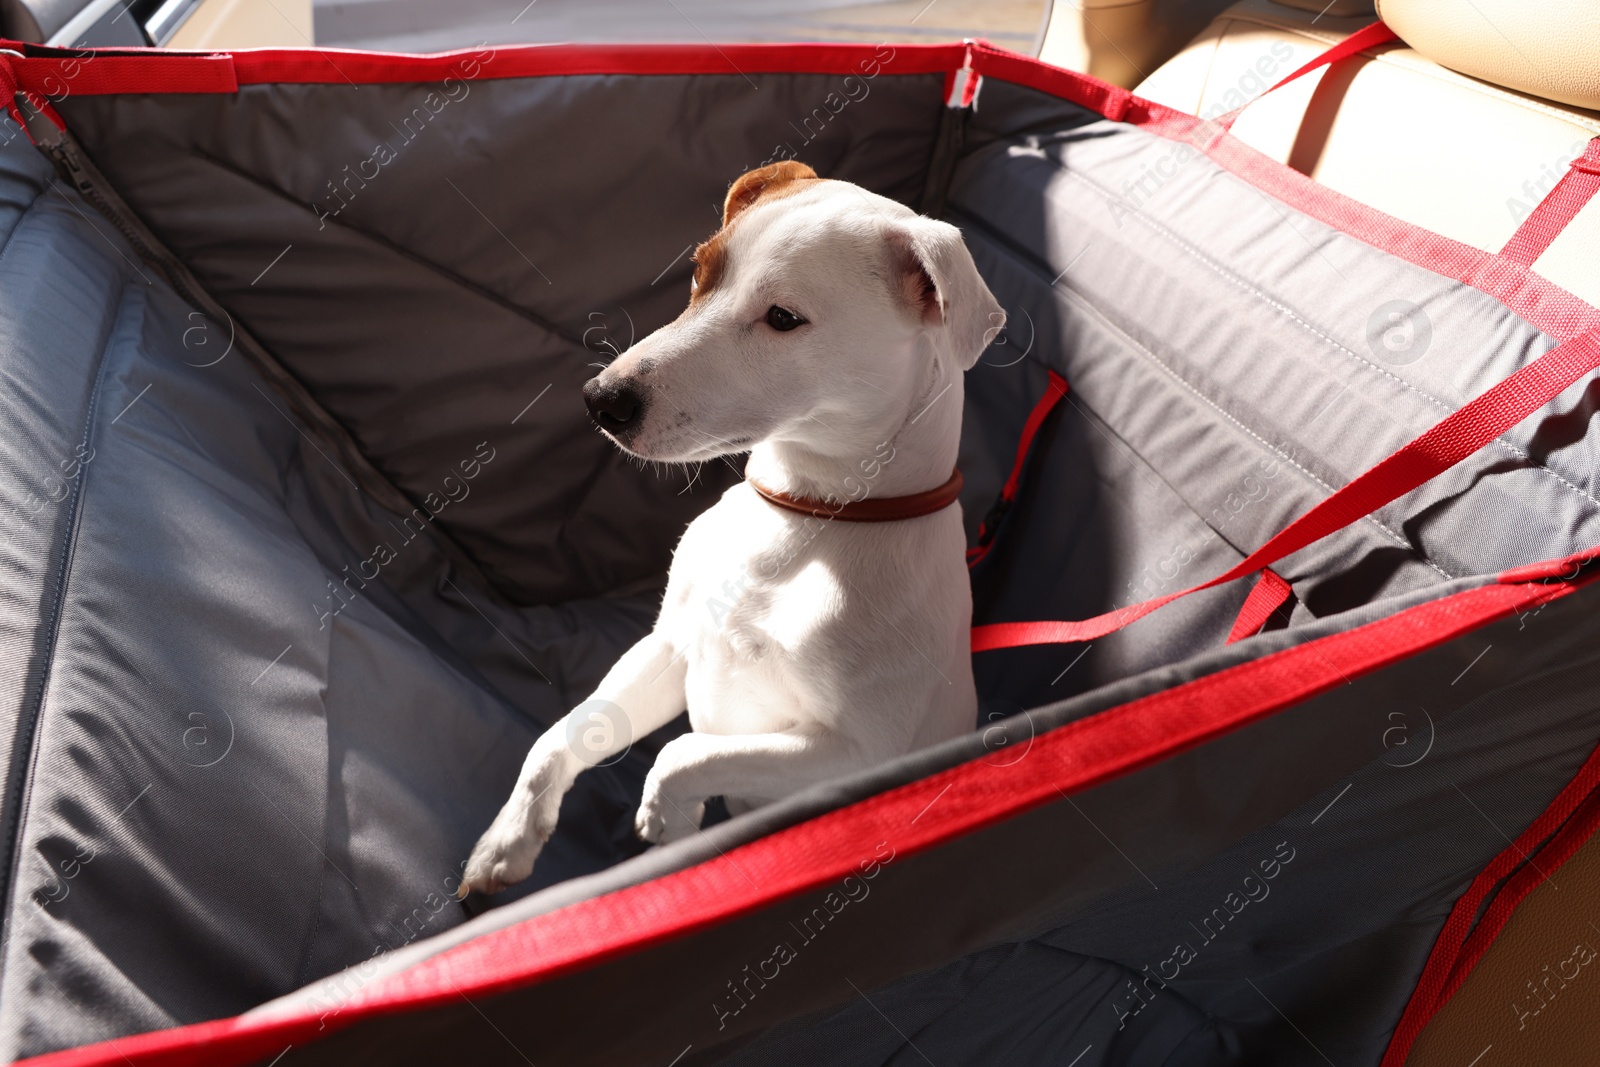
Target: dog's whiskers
{"type": "Point", "coordinates": [694, 476]}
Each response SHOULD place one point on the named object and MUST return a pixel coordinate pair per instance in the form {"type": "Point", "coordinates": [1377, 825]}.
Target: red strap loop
{"type": "Point", "coordinates": [1055, 391]}
{"type": "Point", "coordinates": [8, 89]}
{"type": "Point", "coordinates": [1268, 595]}
{"type": "Point", "coordinates": [1364, 38]}
{"type": "Point", "coordinates": [1449, 442]}
{"type": "Point", "coordinates": [1559, 207]}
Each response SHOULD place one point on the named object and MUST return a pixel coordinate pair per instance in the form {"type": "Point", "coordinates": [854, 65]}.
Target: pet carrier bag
{"type": "Point", "coordinates": [1285, 635]}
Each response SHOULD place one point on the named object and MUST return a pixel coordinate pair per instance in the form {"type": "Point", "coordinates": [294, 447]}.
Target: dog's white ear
{"type": "Point", "coordinates": [752, 185]}
{"type": "Point", "coordinates": [940, 281]}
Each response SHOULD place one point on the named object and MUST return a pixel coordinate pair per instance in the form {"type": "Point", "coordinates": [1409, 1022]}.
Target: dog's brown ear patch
{"type": "Point", "coordinates": [778, 179]}
{"type": "Point", "coordinates": [709, 257]}
{"type": "Point", "coordinates": [764, 181]}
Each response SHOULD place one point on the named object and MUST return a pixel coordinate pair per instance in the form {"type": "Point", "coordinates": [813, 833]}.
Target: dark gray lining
{"type": "Point", "coordinates": [444, 272]}
{"type": "Point", "coordinates": [1137, 459]}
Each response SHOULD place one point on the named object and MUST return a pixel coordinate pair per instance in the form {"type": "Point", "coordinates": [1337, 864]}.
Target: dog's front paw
{"type": "Point", "coordinates": [662, 821]}
{"type": "Point", "coordinates": [505, 854]}
{"type": "Point", "coordinates": [500, 859]}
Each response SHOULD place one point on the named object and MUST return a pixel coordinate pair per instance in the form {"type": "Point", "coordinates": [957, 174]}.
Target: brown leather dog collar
{"type": "Point", "coordinates": [883, 509]}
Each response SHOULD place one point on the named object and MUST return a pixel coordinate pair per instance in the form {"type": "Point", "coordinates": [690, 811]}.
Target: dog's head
{"type": "Point", "coordinates": [819, 314]}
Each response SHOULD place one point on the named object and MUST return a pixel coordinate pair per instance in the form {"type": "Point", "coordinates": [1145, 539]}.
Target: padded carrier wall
{"type": "Point", "coordinates": [308, 536]}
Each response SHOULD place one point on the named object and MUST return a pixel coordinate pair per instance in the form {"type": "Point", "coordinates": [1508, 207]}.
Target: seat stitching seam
{"type": "Point", "coordinates": [1308, 327]}
{"type": "Point", "coordinates": [1399, 539]}
{"type": "Point", "coordinates": [26, 758]}
{"type": "Point", "coordinates": [1184, 383]}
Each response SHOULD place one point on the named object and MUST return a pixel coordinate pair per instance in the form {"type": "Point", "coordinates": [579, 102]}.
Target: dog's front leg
{"type": "Point", "coordinates": [697, 766]}
{"type": "Point", "coordinates": [646, 687]}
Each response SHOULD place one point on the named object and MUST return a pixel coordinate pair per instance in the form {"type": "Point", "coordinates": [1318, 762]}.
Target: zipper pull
{"type": "Point", "coordinates": [964, 83]}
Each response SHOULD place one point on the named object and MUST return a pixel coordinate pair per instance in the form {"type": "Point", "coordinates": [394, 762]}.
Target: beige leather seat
{"type": "Point", "coordinates": [1466, 152]}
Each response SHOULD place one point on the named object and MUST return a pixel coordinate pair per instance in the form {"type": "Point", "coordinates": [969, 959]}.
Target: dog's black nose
{"type": "Point", "coordinates": [612, 407]}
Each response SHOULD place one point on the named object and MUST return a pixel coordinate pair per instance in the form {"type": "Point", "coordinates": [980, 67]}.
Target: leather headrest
{"type": "Point", "coordinates": [1547, 48]}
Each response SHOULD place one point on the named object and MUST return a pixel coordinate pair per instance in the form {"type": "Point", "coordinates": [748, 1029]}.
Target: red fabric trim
{"type": "Point", "coordinates": [1071, 758]}
{"type": "Point", "coordinates": [1564, 569]}
{"type": "Point", "coordinates": [1109, 100]}
{"type": "Point", "coordinates": [92, 72]}
{"type": "Point", "coordinates": [1435, 451]}
{"type": "Point", "coordinates": [1569, 821]}
{"type": "Point", "coordinates": [1364, 38]}
{"type": "Point", "coordinates": [11, 86]}
{"type": "Point", "coordinates": [1546, 861]}
{"type": "Point", "coordinates": [1269, 594]}
{"type": "Point", "coordinates": [8, 92]}
{"type": "Point", "coordinates": [1537, 300]}
{"type": "Point", "coordinates": [333, 66]}
{"type": "Point", "coordinates": [1559, 207]}
{"type": "Point", "coordinates": [1055, 391]}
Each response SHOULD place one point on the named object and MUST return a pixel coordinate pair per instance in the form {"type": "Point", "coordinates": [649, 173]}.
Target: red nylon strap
{"type": "Point", "coordinates": [1559, 207]}
{"type": "Point", "coordinates": [1449, 442]}
{"type": "Point", "coordinates": [11, 88]}
{"type": "Point", "coordinates": [1055, 391]}
{"type": "Point", "coordinates": [1364, 38]}
{"type": "Point", "coordinates": [8, 89]}
{"type": "Point", "coordinates": [1268, 595]}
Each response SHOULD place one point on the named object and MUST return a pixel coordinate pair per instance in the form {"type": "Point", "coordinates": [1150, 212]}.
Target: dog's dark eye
{"type": "Point", "coordinates": [782, 319]}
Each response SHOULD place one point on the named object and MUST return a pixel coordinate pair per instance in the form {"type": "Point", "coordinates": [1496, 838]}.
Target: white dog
{"type": "Point", "coordinates": [826, 334]}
